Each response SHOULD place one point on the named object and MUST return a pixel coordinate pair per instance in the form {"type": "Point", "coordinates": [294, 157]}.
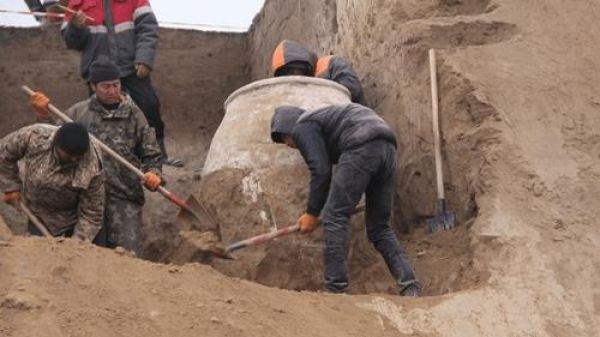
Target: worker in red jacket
{"type": "Point", "coordinates": [127, 32]}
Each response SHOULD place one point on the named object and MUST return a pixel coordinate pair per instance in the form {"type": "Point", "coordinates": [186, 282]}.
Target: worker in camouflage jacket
{"type": "Point", "coordinates": [62, 178]}
{"type": "Point", "coordinates": [116, 121]}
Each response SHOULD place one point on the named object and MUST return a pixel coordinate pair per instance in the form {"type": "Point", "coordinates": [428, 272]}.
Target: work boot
{"type": "Point", "coordinates": [411, 291]}
{"type": "Point", "coordinates": [166, 160]}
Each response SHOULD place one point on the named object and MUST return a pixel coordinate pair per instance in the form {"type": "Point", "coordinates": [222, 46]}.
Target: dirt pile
{"type": "Point", "coordinates": [56, 288]}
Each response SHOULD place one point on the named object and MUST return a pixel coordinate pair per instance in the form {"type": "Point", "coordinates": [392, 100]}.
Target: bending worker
{"type": "Point", "coordinates": [62, 181]}
{"type": "Point", "coordinates": [115, 120]}
{"type": "Point", "coordinates": [363, 147]}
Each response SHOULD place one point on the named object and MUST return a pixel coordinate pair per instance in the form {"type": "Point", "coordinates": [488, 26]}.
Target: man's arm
{"type": "Point", "coordinates": [90, 211]}
{"type": "Point", "coordinates": [150, 153]}
{"type": "Point", "coordinates": [146, 31]}
{"type": "Point", "coordinates": [12, 148]}
{"type": "Point", "coordinates": [311, 144]}
{"type": "Point", "coordinates": [74, 31]}
{"type": "Point", "coordinates": [344, 74]}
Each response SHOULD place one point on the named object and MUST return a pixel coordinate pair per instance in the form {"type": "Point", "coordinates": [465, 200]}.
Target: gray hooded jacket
{"type": "Point", "coordinates": [323, 135]}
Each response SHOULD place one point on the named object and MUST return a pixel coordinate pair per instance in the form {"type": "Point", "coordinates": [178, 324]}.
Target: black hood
{"type": "Point", "coordinates": [283, 121]}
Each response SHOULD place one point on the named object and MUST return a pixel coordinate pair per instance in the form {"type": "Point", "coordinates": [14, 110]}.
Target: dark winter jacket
{"type": "Point", "coordinates": [125, 30]}
{"type": "Point", "coordinates": [323, 135]}
{"type": "Point", "coordinates": [290, 51]}
{"type": "Point", "coordinates": [339, 70]}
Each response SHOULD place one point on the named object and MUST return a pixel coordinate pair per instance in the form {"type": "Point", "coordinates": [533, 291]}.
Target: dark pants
{"type": "Point", "coordinates": [143, 94]}
{"type": "Point", "coordinates": [122, 224]}
{"type": "Point", "coordinates": [370, 169]}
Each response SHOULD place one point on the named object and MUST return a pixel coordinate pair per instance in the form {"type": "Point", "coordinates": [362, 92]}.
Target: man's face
{"type": "Point", "coordinates": [66, 158]}
{"type": "Point", "coordinates": [108, 92]}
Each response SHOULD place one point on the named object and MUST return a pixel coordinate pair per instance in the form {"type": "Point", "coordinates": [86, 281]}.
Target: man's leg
{"type": "Point", "coordinates": [143, 94]}
{"type": "Point", "coordinates": [123, 219]}
{"type": "Point", "coordinates": [348, 183]}
{"type": "Point", "coordinates": [379, 196]}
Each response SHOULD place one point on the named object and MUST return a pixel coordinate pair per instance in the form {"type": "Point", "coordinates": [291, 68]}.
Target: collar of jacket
{"type": "Point", "coordinates": [123, 111]}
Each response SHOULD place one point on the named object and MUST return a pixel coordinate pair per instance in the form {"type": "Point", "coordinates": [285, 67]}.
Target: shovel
{"type": "Point", "coordinates": [444, 219]}
{"type": "Point", "coordinates": [167, 194]}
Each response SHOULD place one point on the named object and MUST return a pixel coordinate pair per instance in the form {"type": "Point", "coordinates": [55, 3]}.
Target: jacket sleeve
{"type": "Point", "coordinates": [74, 37]}
{"type": "Point", "coordinates": [148, 149]}
{"type": "Point", "coordinates": [12, 148]}
{"type": "Point", "coordinates": [343, 73]}
{"type": "Point", "coordinates": [90, 211]}
{"type": "Point", "coordinates": [311, 144]}
{"type": "Point", "coordinates": [146, 31]}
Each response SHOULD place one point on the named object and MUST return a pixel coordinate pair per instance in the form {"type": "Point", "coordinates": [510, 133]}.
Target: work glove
{"type": "Point", "coordinates": [142, 70]}
{"type": "Point", "coordinates": [12, 198]}
{"type": "Point", "coordinates": [152, 180]}
{"type": "Point", "coordinates": [79, 19]}
{"type": "Point", "coordinates": [39, 102]}
{"type": "Point", "coordinates": [308, 223]}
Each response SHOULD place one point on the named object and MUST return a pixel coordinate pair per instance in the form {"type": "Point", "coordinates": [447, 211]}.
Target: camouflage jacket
{"type": "Point", "coordinates": [126, 131]}
{"type": "Point", "coordinates": [60, 195]}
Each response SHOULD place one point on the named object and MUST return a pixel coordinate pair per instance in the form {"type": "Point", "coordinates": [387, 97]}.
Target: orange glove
{"type": "Point", "coordinates": [39, 102]}
{"type": "Point", "coordinates": [152, 180]}
{"type": "Point", "coordinates": [308, 223]}
{"type": "Point", "coordinates": [12, 198]}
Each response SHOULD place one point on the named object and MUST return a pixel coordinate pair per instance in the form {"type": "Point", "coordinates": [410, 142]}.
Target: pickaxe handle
{"type": "Point", "coordinates": [167, 194]}
{"type": "Point", "coordinates": [36, 222]}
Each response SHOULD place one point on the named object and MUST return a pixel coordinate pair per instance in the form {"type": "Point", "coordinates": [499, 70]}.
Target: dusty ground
{"type": "Point", "coordinates": [519, 103]}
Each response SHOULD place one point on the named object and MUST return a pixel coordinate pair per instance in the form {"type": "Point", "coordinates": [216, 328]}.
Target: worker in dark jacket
{"type": "Point", "coordinates": [127, 32]}
{"type": "Point", "coordinates": [338, 69]}
{"type": "Point", "coordinates": [292, 58]}
{"type": "Point", "coordinates": [363, 147]}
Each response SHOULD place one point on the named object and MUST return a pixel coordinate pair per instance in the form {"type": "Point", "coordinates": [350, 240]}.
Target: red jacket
{"type": "Point", "coordinates": [124, 30]}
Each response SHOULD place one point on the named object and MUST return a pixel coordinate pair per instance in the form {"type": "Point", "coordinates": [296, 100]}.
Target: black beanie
{"type": "Point", "coordinates": [72, 138]}
{"type": "Point", "coordinates": [103, 69]}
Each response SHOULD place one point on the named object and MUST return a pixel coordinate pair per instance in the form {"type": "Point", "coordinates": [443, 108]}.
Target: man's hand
{"type": "Point", "coordinates": [39, 102]}
{"type": "Point", "coordinates": [142, 70]}
{"type": "Point", "coordinates": [79, 19]}
{"type": "Point", "coordinates": [12, 198]}
{"type": "Point", "coordinates": [152, 180]}
{"type": "Point", "coordinates": [308, 223]}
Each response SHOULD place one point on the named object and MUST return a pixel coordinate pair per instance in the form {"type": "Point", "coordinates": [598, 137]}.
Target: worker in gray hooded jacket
{"type": "Point", "coordinates": [292, 58]}
{"type": "Point", "coordinates": [363, 147]}
{"type": "Point", "coordinates": [339, 70]}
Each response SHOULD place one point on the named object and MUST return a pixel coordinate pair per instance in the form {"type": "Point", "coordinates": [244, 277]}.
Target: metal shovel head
{"type": "Point", "coordinates": [445, 220]}
{"type": "Point", "coordinates": [199, 219]}
{"type": "Point", "coordinates": [206, 243]}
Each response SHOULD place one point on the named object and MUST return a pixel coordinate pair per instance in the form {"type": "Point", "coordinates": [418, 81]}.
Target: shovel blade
{"type": "Point", "coordinates": [445, 220]}
{"type": "Point", "coordinates": [198, 218]}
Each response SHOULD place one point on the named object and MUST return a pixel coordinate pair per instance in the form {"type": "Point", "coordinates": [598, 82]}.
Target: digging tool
{"type": "Point", "coordinates": [67, 9]}
{"type": "Point", "coordinates": [256, 240]}
{"type": "Point", "coordinates": [53, 15]}
{"type": "Point", "coordinates": [36, 222]}
{"type": "Point", "coordinates": [167, 194]}
{"type": "Point", "coordinates": [444, 219]}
